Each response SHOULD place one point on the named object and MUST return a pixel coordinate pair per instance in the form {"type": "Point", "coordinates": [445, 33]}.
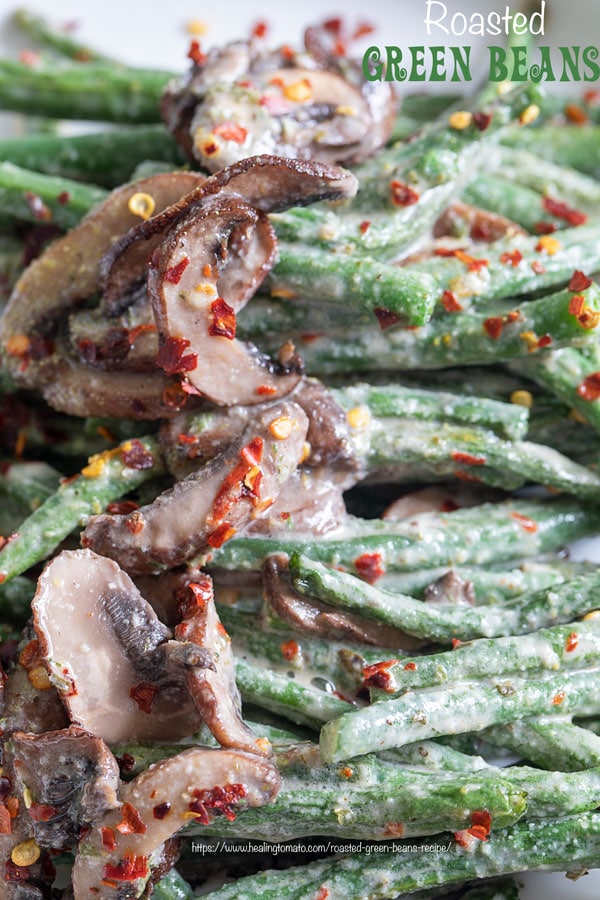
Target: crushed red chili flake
{"type": "Point", "coordinates": [135, 522]}
{"type": "Point", "coordinates": [370, 566]}
{"type": "Point", "coordinates": [218, 798]}
{"type": "Point", "coordinates": [231, 131]}
{"type": "Point", "coordinates": [63, 198]}
{"type": "Point", "coordinates": [494, 326]}
{"type": "Point", "coordinates": [222, 533]}
{"type": "Point", "coordinates": [481, 825]}
{"type": "Point", "coordinates": [571, 642]}
{"type": "Point", "coordinates": [378, 675]}
{"type": "Point", "coordinates": [333, 25]}
{"type": "Point", "coordinates": [260, 29]}
{"type": "Point", "coordinates": [39, 209]}
{"type": "Point", "coordinates": [576, 305]}
{"type": "Point", "coordinates": [482, 120]}
{"type": "Point", "coordinates": [130, 868]}
{"type": "Point", "coordinates": [223, 320]}
{"type": "Point", "coordinates": [525, 522]}
{"type": "Point", "coordinates": [563, 211]}
{"type": "Point", "coordinates": [544, 341]}
{"type": "Point", "coordinates": [109, 842]}
{"type": "Point", "coordinates": [450, 302]}
{"type": "Point", "coordinates": [131, 823]}
{"type": "Point", "coordinates": [266, 390]}
{"type": "Point", "coordinates": [364, 226]}
{"type": "Point", "coordinates": [592, 98]}
{"type": "Point", "coordinates": [410, 666]}
{"type": "Point", "coordinates": [386, 317]}
{"type": "Point", "coordinates": [467, 459]}
{"type": "Point", "coordinates": [362, 30]}
{"type": "Point", "coordinates": [538, 267]}
{"type": "Point", "coordinates": [403, 194]}
{"type": "Point", "coordinates": [161, 810]}
{"type": "Point", "coordinates": [195, 54]}
{"type": "Point", "coordinates": [290, 650]}
{"type": "Point", "coordinates": [456, 643]}
{"type": "Point", "coordinates": [589, 389]}
{"type": "Point", "coordinates": [545, 227]}
{"type": "Point", "coordinates": [121, 507]}
{"type": "Point", "coordinates": [558, 698]}
{"type": "Point", "coordinates": [174, 273]}
{"type": "Point", "coordinates": [135, 456]}
{"type": "Point", "coordinates": [42, 812]}
{"type": "Point", "coordinates": [513, 257]}
{"type": "Point", "coordinates": [579, 281]}
{"type": "Point", "coordinates": [5, 822]}
{"type": "Point", "coordinates": [172, 359]}
{"type": "Point", "coordinates": [144, 693]}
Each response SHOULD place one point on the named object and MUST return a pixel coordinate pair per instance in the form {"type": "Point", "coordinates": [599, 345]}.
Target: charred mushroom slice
{"type": "Point", "coordinates": [108, 654]}
{"type": "Point", "coordinates": [116, 858]}
{"type": "Point", "coordinates": [207, 507]}
{"type": "Point", "coordinates": [450, 588]}
{"type": "Point", "coordinates": [214, 691]}
{"type": "Point", "coordinates": [460, 220]}
{"type": "Point", "coordinates": [72, 779]}
{"type": "Point", "coordinates": [62, 278]}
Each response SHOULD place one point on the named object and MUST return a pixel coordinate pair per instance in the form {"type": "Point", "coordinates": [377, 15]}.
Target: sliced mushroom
{"type": "Point", "coordinates": [208, 506]}
{"type": "Point", "coordinates": [72, 780]}
{"type": "Point", "coordinates": [312, 616]}
{"type": "Point", "coordinates": [108, 654]}
{"type": "Point", "coordinates": [196, 785]}
{"type": "Point", "coordinates": [62, 278]}
{"type": "Point", "coordinates": [450, 588]}
{"type": "Point", "coordinates": [461, 220]}
{"type": "Point", "coordinates": [214, 690]}
{"type": "Point", "coordinates": [311, 501]}
{"type": "Point", "coordinates": [328, 430]}
{"type": "Point", "coordinates": [438, 498]}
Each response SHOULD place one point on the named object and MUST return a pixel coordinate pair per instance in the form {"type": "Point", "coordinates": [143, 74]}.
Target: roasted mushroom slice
{"type": "Point", "coordinates": [60, 280]}
{"type": "Point", "coordinates": [71, 778]}
{"type": "Point", "coordinates": [119, 675]}
{"type": "Point", "coordinates": [208, 506]}
{"type": "Point", "coordinates": [116, 858]}
{"type": "Point", "coordinates": [461, 220]}
{"type": "Point", "coordinates": [214, 690]}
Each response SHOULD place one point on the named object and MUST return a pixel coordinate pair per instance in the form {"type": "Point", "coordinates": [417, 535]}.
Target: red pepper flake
{"type": "Point", "coordinates": [576, 305]}
{"type": "Point", "coordinates": [131, 822]}
{"type": "Point", "coordinates": [346, 772]}
{"type": "Point", "coordinates": [135, 522]}
{"type": "Point", "coordinates": [174, 273]}
{"type": "Point", "coordinates": [402, 194]}
{"type": "Point", "coordinates": [231, 131]}
{"type": "Point", "coordinates": [467, 459]}
{"type": "Point", "coordinates": [109, 842]}
{"type": "Point", "coordinates": [290, 650]}
{"type": "Point", "coordinates": [252, 453]}
{"type": "Point", "coordinates": [512, 257]}
{"type": "Point", "coordinates": [266, 390]}
{"type": "Point", "coordinates": [5, 822]}
{"type": "Point", "coordinates": [538, 267]}
{"type": "Point", "coordinates": [63, 198]}
{"type": "Point", "coordinates": [482, 120]}
{"type": "Point", "coordinates": [364, 226]}
{"type": "Point", "coordinates": [525, 522]}
{"type": "Point", "coordinates": [161, 810]}
{"type": "Point", "coordinates": [370, 567]}
{"type": "Point", "coordinates": [222, 533]}
{"type": "Point", "coordinates": [362, 30]}
{"type": "Point", "coordinates": [29, 58]}
{"type": "Point", "coordinates": [195, 54]}
{"type": "Point", "coordinates": [579, 282]}
{"type": "Point", "coordinates": [218, 798]}
{"type": "Point", "coordinates": [135, 456]}
{"type": "Point", "coordinates": [544, 341]}
{"type": "Point", "coordinates": [378, 675]}
{"type": "Point", "coordinates": [456, 643]}
{"type": "Point", "coordinates": [42, 812]}
{"type": "Point", "coordinates": [576, 114]}
{"type": "Point", "coordinates": [172, 359]}
{"type": "Point", "coordinates": [223, 319]}
{"type": "Point", "coordinates": [481, 825]}
{"type": "Point", "coordinates": [260, 29]}
{"type": "Point", "coordinates": [558, 698]}
{"type": "Point", "coordinates": [333, 25]}
{"type": "Point", "coordinates": [571, 642]}
{"type": "Point", "coordinates": [545, 227]}
{"type": "Point", "coordinates": [563, 211]}
{"type": "Point", "coordinates": [386, 317]}
{"type": "Point", "coordinates": [472, 264]}
{"type": "Point", "coordinates": [450, 302]}
{"type": "Point", "coordinates": [589, 389]}
{"type": "Point", "coordinates": [144, 693]}
{"type": "Point", "coordinates": [38, 208]}
{"type": "Point", "coordinates": [410, 666]}
{"type": "Point", "coordinates": [130, 868]}
{"type": "Point", "coordinates": [121, 507]}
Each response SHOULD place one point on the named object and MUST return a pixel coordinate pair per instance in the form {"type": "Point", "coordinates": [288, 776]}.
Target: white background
{"type": "Point", "coordinates": [154, 33]}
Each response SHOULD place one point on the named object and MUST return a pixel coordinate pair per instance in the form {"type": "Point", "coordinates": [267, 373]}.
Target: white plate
{"type": "Point", "coordinates": [155, 33]}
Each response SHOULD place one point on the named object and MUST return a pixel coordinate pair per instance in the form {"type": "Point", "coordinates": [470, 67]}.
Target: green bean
{"type": "Point", "coordinates": [15, 599]}
{"type": "Point", "coordinates": [459, 708]}
{"type": "Point", "coordinates": [549, 744]}
{"type": "Point", "coordinates": [568, 843]}
{"type": "Point", "coordinates": [489, 533]}
{"type": "Point", "coordinates": [445, 623]}
{"type": "Point", "coordinates": [106, 158]}
{"type": "Point", "coordinates": [39, 198]}
{"type": "Point", "coordinates": [104, 480]}
{"type": "Point", "coordinates": [172, 886]}
{"type": "Point", "coordinates": [575, 147]}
